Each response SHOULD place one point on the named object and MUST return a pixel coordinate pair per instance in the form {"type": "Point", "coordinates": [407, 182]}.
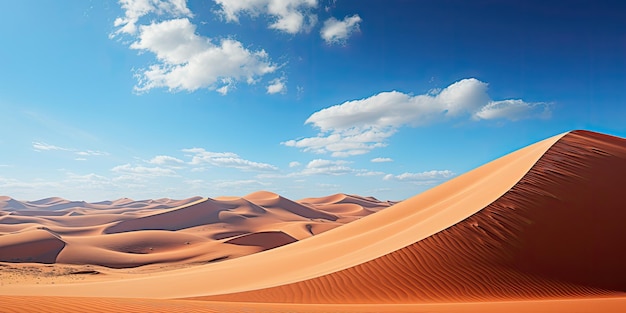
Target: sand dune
{"type": "Point", "coordinates": [128, 233]}
{"type": "Point", "coordinates": [558, 232]}
{"type": "Point", "coordinates": [539, 229]}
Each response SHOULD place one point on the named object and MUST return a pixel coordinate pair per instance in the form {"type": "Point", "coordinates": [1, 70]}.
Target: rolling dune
{"type": "Point", "coordinates": [126, 233]}
{"type": "Point", "coordinates": [540, 229]}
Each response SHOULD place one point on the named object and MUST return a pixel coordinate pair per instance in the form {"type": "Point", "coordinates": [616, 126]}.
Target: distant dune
{"type": "Point", "coordinates": [126, 233]}
{"type": "Point", "coordinates": [541, 229]}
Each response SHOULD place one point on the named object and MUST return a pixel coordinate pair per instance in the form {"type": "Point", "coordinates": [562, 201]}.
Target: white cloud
{"type": "Point", "coordinates": [226, 159]}
{"type": "Point", "coordinates": [88, 180]}
{"type": "Point", "coordinates": [423, 178]}
{"type": "Point", "coordinates": [336, 31]}
{"type": "Point", "coordinates": [512, 110]}
{"type": "Point", "coordinates": [358, 126]}
{"type": "Point", "coordinates": [290, 16]}
{"type": "Point", "coordinates": [369, 173]}
{"type": "Point", "coordinates": [165, 160]}
{"type": "Point", "coordinates": [42, 146]}
{"type": "Point", "coordinates": [277, 86]}
{"type": "Point", "coordinates": [237, 184]}
{"type": "Point", "coordinates": [127, 169]}
{"type": "Point", "coordinates": [10, 183]}
{"type": "Point", "coordinates": [381, 160]}
{"type": "Point", "coordinates": [327, 167]}
{"type": "Point", "coordinates": [135, 9]}
{"type": "Point", "coordinates": [92, 153]}
{"type": "Point", "coordinates": [294, 164]}
{"type": "Point", "coordinates": [343, 144]}
{"type": "Point", "coordinates": [189, 61]}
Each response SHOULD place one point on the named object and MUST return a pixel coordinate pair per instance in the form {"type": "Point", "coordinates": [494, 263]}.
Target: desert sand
{"type": "Point", "coordinates": [538, 230]}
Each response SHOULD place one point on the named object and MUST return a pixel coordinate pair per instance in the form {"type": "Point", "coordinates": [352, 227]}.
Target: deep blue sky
{"type": "Point", "coordinates": [181, 105]}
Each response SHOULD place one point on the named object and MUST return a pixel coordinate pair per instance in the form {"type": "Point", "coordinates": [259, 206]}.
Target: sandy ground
{"type": "Point", "coordinates": [538, 230]}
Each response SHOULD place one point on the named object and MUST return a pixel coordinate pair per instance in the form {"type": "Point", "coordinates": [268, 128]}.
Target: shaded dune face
{"type": "Point", "coordinates": [265, 240]}
{"type": "Point", "coordinates": [206, 212]}
{"type": "Point", "coordinates": [559, 232]}
{"type": "Point", "coordinates": [37, 245]}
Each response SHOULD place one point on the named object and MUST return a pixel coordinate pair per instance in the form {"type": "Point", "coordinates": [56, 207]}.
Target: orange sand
{"type": "Point", "coordinates": [540, 229]}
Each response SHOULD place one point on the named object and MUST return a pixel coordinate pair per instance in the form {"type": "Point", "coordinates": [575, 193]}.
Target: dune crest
{"type": "Point", "coordinates": [556, 233]}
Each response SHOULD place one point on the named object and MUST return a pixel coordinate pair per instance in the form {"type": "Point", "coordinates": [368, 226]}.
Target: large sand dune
{"type": "Point", "coordinates": [539, 229]}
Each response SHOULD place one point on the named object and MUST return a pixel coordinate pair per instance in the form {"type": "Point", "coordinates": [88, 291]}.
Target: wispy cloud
{"type": "Point", "coordinates": [369, 173]}
{"type": "Point", "coordinates": [358, 126]}
{"type": "Point", "coordinates": [143, 170]}
{"type": "Point", "coordinates": [92, 153]}
{"type": "Point", "coordinates": [327, 167]}
{"type": "Point", "coordinates": [238, 184]}
{"type": "Point", "coordinates": [513, 110]}
{"type": "Point", "coordinates": [381, 160]}
{"type": "Point", "coordinates": [42, 146]}
{"type": "Point", "coordinates": [226, 159]}
{"type": "Point", "coordinates": [423, 178]}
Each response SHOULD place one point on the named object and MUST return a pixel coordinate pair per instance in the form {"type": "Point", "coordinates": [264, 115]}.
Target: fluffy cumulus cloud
{"type": "Point", "coordinates": [200, 156]}
{"type": "Point", "coordinates": [186, 60]}
{"type": "Point", "coordinates": [337, 31]}
{"type": "Point", "coordinates": [277, 86]}
{"type": "Point", "coordinates": [289, 16]}
{"type": "Point", "coordinates": [358, 126]}
{"type": "Point", "coordinates": [189, 61]}
{"type": "Point", "coordinates": [423, 178]}
{"type": "Point", "coordinates": [165, 160]}
{"type": "Point", "coordinates": [135, 9]}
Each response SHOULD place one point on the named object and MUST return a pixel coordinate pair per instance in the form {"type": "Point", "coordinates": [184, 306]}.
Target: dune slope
{"type": "Point", "coordinates": [558, 232]}
{"type": "Point", "coordinates": [308, 263]}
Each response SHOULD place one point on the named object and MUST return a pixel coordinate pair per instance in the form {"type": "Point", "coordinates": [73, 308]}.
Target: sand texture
{"type": "Point", "coordinates": [538, 230]}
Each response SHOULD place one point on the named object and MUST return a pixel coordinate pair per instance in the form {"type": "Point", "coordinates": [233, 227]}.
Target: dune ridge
{"type": "Point", "coordinates": [556, 233]}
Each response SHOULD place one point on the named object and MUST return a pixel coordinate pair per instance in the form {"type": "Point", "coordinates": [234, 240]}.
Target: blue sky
{"type": "Point", "coordinates": [174, 98]}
